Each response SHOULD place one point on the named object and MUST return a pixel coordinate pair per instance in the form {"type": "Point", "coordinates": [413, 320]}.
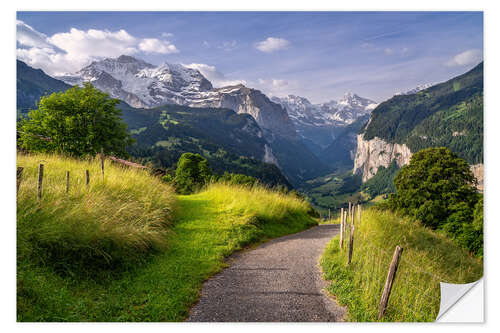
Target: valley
{"type": "Point", "coordinates": [286, 141]}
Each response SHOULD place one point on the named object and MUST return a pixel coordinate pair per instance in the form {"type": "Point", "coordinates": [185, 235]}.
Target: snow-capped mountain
{"type": "Point", "coordinates": [319, 124]}
{"type": "Point", "coordinates": [416, 89]}
{"type": "Point", "coordinates": [144, 85]}
{"type": "Point", "coordinates": [343, 112]}
{"type": "Point", "coordinates": [141, 84]}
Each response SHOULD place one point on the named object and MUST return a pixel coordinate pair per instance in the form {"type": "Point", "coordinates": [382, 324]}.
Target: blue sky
{"type": "Point", "coordinates": [318, 55]}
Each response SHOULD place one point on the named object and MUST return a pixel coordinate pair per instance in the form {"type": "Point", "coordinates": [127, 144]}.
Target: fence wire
{"type": "Point", "coordinates": [415, 293]}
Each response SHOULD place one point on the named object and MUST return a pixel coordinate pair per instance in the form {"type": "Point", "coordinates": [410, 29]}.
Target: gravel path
{"type": "Point", "coordinates": [277, 281]}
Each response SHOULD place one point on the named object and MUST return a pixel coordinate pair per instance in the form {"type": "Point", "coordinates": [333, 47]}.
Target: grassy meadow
{"type": "Point", "coordinates": [128, 248]}
{"type": "Point", "coordinates": [427, 259]}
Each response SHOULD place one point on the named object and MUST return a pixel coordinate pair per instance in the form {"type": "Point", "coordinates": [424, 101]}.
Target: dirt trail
{"type": "Point", "coordinates": [277, 281]}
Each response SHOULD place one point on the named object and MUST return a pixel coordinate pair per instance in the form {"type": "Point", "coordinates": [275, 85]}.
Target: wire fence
{"type": "Point", "coordinates": [415, 293]}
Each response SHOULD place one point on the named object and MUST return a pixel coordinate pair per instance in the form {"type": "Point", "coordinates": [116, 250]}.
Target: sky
{"type": "Point", "coordinates": [317, 55]}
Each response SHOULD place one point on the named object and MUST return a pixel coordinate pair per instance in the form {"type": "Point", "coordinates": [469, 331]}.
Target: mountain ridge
{"type": "Point", "coordinates": [320, 124]}
{"type": "Point", "coordinates": [448, 114]}
{"type": "Point", "coordinates": [33, 83]}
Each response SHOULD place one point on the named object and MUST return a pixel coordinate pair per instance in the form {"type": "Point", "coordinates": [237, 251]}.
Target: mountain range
{"type": "Point", "coordinates": [143, 85]}
{"type": "Point", "coordinates": [320, 124]}
{"type": "Point", "coordinates": [171, 109]}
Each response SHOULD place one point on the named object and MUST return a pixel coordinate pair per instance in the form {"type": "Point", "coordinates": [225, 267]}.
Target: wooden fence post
{"type": "Point", "coordinates": [351, 241]}
{"type": "Point", "coordinates": [353, 212]}
{"type": "Point", "coordinates": [19, 176]}
{"type": "Point", "coordinates": [349, 213]}
{"type": "Point", "coordinates": [67, 181]}
{"type": "Point", "coordinates": [87, 178]}
{"type": "Point", "coordinates": [329, 214]}
{"type": "Point", "coordinates": [40, 180]}
{"type": "Point", "coordinates": [341, 243]}
{"type": "Point", "coordinates": [102, 162]}
{"type": "Point", "coordinates": [391, 275]}
{"type": "Point", "coordinates": [359, 213]}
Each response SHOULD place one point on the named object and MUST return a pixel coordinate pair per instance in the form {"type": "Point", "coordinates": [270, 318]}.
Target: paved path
{"type": "Point", "coordinates": [277, 281]}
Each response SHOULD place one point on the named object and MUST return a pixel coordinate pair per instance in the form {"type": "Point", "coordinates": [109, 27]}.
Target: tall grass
{"type": "Point", "coordinates": [254, 212]}
{"type": "Point", "coordinates": [114, 223]}
{"type": "Point", "coordinates": [427, 259]}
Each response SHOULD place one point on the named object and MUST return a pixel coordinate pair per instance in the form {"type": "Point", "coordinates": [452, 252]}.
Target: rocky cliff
{"type": "Point", "coordinates": [270, 116]}
{"type": "Point", "coordinates": [478, 172]}
{"type": "Point", "coordinates": [371, 154]}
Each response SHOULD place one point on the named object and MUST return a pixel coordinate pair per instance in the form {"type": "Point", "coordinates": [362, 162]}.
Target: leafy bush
{"type": "Point", "coordinates": [77, 122]}
{"type": "Point", "coordinates": [168, 178]}
{"type": "Point", "coordinates": [237, 179]}
{"type": "Point", "coordinates": [437, 189]}
{"type": "Point", "coordinates": [192, 173]}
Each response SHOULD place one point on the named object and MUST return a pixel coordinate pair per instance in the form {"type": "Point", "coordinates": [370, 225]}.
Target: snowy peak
{"type": "Point", "coordinates": [352, 100]}
{"type": "Point", "coordinates": [416, 89]}
{"type": "Point", "coordinates": [142, 84]}
{"type": "Point", "coordinates": [332, 113]}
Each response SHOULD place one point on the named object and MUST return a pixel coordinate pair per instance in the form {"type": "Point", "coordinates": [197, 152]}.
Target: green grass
{"type": "Point", "coordinates": [427, 259]}
{"type": "Point", "coordinates": [166, 281]}
{"type": "Point", "coordinates": [117, 222]}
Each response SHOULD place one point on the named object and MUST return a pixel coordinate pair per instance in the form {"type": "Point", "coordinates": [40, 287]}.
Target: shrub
{"type": "Point", "coordinates": [192, 173]}
{"type": "Point", "coordinates": [237, 179]}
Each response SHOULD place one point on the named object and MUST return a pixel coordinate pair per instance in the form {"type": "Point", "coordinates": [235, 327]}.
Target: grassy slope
{"type": "Point", "coordinates": [166, 283]}
{"type": "Point", "coordinates": [427, 259]}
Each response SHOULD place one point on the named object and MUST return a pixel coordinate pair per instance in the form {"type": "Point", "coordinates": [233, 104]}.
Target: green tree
{"type": "Point", "coordinates": [437, 189]}
{"type": "Point", "coordinates": [77, 122]}
{"type": "Point", "coordinates": [192, 173]}
{"type": "Point", "coordinates": [436, 184]}
{"type": "Point", "coordinates": [237, 179]}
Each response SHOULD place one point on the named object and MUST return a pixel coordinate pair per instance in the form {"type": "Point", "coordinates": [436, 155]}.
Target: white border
{"type": "Point", "coordinates": [7, 132]}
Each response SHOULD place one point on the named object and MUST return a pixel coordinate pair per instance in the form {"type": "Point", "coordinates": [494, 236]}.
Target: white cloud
{"type": "Point", "coordinates": [70, 51]}
{"type": "Point", "coordinates": [466, 58]}
{"type": "Point", "coordinates": [276, 87]}
{"type": "Point", "coordinates": [228, 46]}
{"type": "Point", "coordinates": [28, 36]}
{"type": "Point", "coordinates": [279, 83]}
{"type": "Point", "coordinates": [388, 51]}
{"type": "Point", "coordinates": [217, 78]}
{"type": "Point", "coordinates": [97, 43]}
{"type": "Point", "coordinates": [272, 44]}
{"type": "Point", "coordinates": [153, 45]}
{"type": "Point", "coordinates": [167, 35]}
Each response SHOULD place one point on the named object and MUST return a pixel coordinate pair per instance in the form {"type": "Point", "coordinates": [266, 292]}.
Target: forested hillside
{"type": "Point", "coordinates": [31, 84]}
{"type": "Point", "coordinates": [449, 114]}
{"type": "Point", "coordinates": [231, 142]}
